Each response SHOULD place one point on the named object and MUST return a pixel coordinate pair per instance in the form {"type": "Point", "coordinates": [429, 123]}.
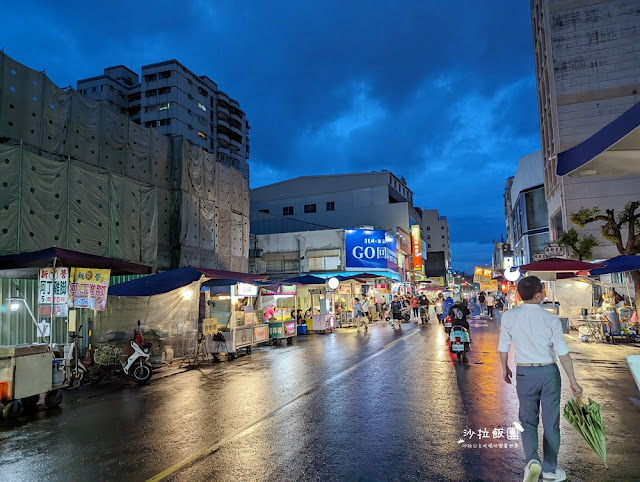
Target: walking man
{"type": "Point", "coordinates": [490, 304]}
{"type": "Point", "coordinates": [536, 335]}
{"type": "Point", "coordinates": [481, 300]}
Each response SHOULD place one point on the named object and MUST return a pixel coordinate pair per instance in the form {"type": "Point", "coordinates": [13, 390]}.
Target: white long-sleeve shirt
{"type": "Point", "coordinates": [536, 334]}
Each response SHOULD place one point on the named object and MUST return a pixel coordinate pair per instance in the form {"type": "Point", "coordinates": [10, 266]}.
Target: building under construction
{"type": "Point", "coordinates": [78, 174]}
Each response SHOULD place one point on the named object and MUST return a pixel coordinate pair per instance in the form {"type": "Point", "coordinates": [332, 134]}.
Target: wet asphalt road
{"type": "Point", "coordinates": [390, 404]}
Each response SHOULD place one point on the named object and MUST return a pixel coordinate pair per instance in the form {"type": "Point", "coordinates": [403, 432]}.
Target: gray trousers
{"type": "Point", "coordinates": [540, 386]}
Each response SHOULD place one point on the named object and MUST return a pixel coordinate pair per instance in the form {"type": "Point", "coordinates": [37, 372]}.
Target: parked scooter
{"type": "Point", "coordinates": [459, 341]}
{"type": "Point", "coordinates": [132, 361]}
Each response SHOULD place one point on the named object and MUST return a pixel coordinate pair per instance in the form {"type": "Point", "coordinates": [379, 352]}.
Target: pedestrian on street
{"type": "Point", "coordinates": [396, 308]}
{"type": "Point", "coordinates": [358, 312]}
{"type": "Point", "coordinates": [481, 300]}
{"type": "Point", "coordinates": [490, 303]}
{"type": "Point", "coordinates": [373, 308]}
{"type": "Point", "coordinates": [439, 302]}
{"type": "Point", "coordinates": [536, 335]}
{"type": "Point", "coordinates": [415, 307]}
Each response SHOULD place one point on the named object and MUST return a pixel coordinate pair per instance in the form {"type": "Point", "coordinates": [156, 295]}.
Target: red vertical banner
{"type": "Point", "coordinates": [416, 246]}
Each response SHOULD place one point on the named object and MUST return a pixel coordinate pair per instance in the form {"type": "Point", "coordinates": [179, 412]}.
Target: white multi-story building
{"type": "Point", "coordinates": [587, 72]}
{"type": "Point", "coordinates": [177, 102]}
{"type": "Point", "coordinates": [529, 220]}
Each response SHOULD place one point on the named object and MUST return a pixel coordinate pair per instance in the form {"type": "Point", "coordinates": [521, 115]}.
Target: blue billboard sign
{"type": "Point", "coordinates": [367, 249]}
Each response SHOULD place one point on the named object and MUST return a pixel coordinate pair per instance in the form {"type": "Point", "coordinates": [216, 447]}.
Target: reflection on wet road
{"type": "Point", "coordinates": [387, 405]}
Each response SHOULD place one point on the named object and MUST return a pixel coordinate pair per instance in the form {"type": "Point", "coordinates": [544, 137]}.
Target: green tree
{"type": "Point", "coordinates": [582, 247]}
{"type": "Point", "coordinates": [614, 230]}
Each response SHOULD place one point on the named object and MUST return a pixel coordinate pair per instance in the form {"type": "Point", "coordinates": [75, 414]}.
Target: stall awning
{"type": "Point", "coordinates": [612, 151]}
{"type": "Point", "coordinates": [26, 265]}
{"type": "Point", "coordinates": [176, 278]}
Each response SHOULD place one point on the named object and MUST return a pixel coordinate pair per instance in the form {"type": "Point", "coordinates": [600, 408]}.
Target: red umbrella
{"type": "Point", "coordinates": [559, 265]}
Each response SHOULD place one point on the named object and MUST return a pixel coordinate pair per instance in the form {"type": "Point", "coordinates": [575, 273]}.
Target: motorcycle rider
{"type": "Point", "coordinates": [424, 305]}
{"type": "Point", "coordinates": [446, 305]}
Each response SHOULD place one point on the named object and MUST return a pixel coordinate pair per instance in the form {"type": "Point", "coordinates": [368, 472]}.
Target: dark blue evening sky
{"type": "Point", "coordinates": [442, 93]}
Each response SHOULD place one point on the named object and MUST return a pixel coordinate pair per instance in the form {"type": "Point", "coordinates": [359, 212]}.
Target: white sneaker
{"type": "Point", "coordinates": [558, 475]}
{"type": "Point", "coordinates": [532, 471]}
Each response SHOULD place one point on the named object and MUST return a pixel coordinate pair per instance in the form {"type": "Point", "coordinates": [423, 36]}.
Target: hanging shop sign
{"type": "Point", "coordinates": [88, 288]}
{"type": "Point", "coordinates": [246, 289]}
{"type": "Point", "coordinates": [482, 275]}
{"type": "Point", "coordinates": [283, 290]}
{"type": "Point", "coordinates": [416, 247]}
{"type": "Point", "coordinates": [344, 289]}
{"type": "Point", "coordinates": [54, 286]}
{"type": "Point", "coordinates": [53, 289]}
{"type": "Point", "coordinates": [437, 280]}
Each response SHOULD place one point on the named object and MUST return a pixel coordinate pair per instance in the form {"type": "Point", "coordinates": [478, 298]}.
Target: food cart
{"type": "Point", "coordinates": [25, 373]}
{"type": "Point", "coordinates": [282, 327]}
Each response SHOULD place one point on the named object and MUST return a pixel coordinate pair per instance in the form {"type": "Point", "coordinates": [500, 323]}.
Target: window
{"type": "Point", "coordinates": [150, 124]}
{"type": "Point", "coordinates": [287, 211]}
{"type": "Point", "coordinates": [266, 211]}
{"type": "Point", "coordinates": [428, 236]}
{"type": "Point", "coordinates": [282, 265]}
{"type": "Point", "coordinates": [203, 92]}
{"type": "Point", "coordinates": [441, 227]}
{"type": "Point", "coordinates": [166, 106]}
{"type": "Point", "coordinates": [200, 106]}
{"type": "Point", "coordinates": [134, 97]}
{"type": "Point", "coordinates": [309, 208]}
{"type": "Point", "coordinates": [443, 245]}
{"type": "Point", "coordinates": [331, 206]}
{"type": "Point", "coordinates": [150, 108]}
{"type": "Point", "coordinates": [164, 90]}
{"type": "Point", "coordinates": [204, 136]}
{"type": "Point", "coordinates": [151, 93]}
{"type": "Point", "coordinates": [150, 77]}
{"type": "Point", "coordinates": [556, 222]}
{"type": "Point", "coordinates": [443, 236]}
{"type": "Point", "coordinates": [165, 75]}
{"type": "Point", "coordinates": [165, 122]}
{"type": "Point", "coordinates": [324, 259]}
{"type": "Point", "coordinates": [428, 228]}
{"type": "Point", "coordinates": [428, 245]}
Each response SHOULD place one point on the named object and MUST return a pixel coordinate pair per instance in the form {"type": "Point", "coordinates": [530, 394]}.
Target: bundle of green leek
{"type": "Point", "coordinates": [587, 420]}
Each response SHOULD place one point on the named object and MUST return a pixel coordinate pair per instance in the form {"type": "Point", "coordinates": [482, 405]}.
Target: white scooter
{"type": "Point", "coordinates": [109, 360]}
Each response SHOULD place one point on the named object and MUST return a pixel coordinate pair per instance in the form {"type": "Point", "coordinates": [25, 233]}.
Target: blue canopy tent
{"type": "Point", "coordinates": [619, 264]}
{"type": "Point", "coordinates": [176, 278]}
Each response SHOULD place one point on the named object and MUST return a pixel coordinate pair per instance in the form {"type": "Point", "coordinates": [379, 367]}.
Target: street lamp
{"type": "Point", "coordinates": [15, 306]}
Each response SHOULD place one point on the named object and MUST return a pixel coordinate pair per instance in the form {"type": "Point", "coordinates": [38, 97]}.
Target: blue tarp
{"type": "Point", "coordinates": [619, 264]}
{"type": "Point", "coordinates": [176, 278]}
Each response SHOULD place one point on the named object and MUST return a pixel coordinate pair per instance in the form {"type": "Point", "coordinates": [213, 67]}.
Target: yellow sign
{"type": "Point", "coordinates": [491, 286]}
{"type": "Point", "coordinates": [482, 275]}
{"type": "Point", "coordinates": [438, 280]}
{"type": "Point", "coordinates": [209, 326]}
{"type": "Point", "coordinates": [88, 288]}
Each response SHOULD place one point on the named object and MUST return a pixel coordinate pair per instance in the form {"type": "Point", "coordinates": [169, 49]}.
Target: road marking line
{"type": "Point", "coordinates": [216, 446]}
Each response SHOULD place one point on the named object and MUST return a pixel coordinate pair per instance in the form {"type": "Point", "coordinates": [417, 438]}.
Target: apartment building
{"type": "Point", "coordinates": [173, 100]}
{"type": "Point", "coordinates": [587, 74]}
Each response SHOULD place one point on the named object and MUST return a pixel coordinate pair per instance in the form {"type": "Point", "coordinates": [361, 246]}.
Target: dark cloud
{"type": "Point", "coordinates": [443, 94]}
